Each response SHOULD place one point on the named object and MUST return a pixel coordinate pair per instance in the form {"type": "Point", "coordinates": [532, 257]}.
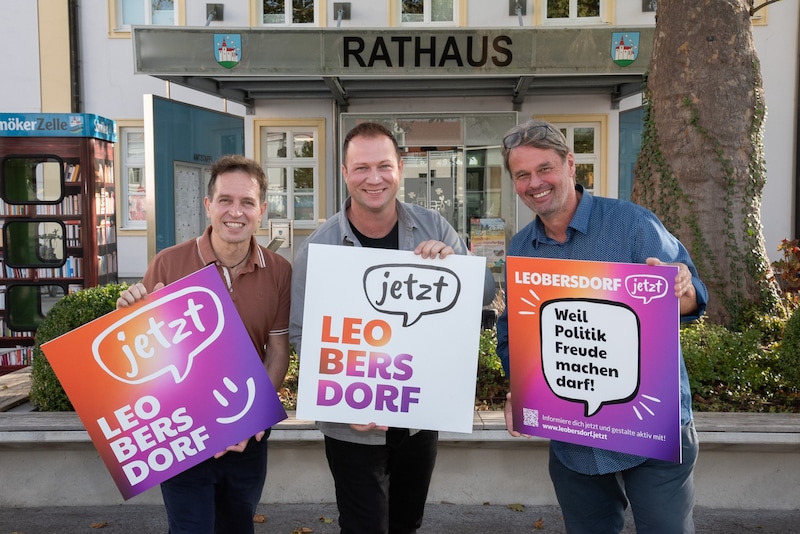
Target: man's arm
{"type": "Point", "coordinates": [276, 361]}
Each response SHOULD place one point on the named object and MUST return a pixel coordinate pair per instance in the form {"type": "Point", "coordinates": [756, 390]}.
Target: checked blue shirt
{"type": "Point", "coordinates": [605, 229]}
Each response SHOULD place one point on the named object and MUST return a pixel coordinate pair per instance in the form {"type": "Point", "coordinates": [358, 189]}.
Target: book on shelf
{"type": "Point", "coordinates": [16, 355]}
{"type": "Point", "coordinates": [73, 172]}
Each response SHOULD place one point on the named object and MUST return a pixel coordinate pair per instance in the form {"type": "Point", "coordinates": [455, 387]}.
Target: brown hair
{"type": "Point", "coordinates": [368, 129]}
{"type": "Point", "coordinates": [235, 162]}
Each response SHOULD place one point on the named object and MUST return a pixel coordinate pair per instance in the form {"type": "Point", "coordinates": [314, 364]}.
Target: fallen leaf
{"type": "Point", "coordinates": [517, 507]}
{"type": "Point", "coordinates": [487, 503]}
{"type": "Point", "coordinates": [326, 520]}
{"type": "Point", "coordinates": [99, 524]}
{"type": "Point", "coordinates": [303, 530]}
{"type": "Point", "coordinates": [538, 524]}
{"type": "Point", "coordinates": [259, 518]}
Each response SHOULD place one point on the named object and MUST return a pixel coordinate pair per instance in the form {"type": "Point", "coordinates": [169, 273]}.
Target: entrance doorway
{"type": "Point", "coordinates": [430, 179]}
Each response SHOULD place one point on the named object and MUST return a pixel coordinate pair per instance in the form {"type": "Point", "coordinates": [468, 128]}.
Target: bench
{"type": "Point", "coordinates": [742, 430]}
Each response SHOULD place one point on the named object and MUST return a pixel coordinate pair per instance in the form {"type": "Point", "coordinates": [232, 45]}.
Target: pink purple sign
{"type": "Point", "coordinates": [167, 383]}
{"type": "Point", "coordinates": [594, 354]}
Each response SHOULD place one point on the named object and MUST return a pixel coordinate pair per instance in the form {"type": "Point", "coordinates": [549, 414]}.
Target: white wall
{"type": "Point", "coordinates": [19, 28]}
{"type": "Point", "coordinates": [777, 47]}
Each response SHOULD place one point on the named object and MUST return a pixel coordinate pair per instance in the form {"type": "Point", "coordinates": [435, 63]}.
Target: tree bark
{"type": "Point", "coordinates": [701, 167]}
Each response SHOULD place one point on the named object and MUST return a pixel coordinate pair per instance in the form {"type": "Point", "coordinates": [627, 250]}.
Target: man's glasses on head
{"type": "Point", "coordinates": [536, 132]}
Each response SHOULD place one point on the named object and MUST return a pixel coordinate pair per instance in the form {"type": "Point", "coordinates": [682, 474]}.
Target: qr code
{"type": "Point", "coordinates": [530, 417]}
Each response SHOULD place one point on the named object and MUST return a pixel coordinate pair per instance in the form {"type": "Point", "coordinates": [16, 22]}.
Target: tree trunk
{"type": "Point", "coordinates": [701, 167]}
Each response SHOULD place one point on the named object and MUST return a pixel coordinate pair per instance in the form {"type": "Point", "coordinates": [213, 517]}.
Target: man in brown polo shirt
{"type": "Point", "coordinates": [221, 493]}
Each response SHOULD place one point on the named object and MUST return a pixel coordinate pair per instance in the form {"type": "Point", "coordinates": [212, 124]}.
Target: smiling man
{"type": "Point", "coordinates": [594, 486]}
{"type": "Point", "coordinates": [381, 474]}
{"type": "Point", "coordinates": [221, 494]}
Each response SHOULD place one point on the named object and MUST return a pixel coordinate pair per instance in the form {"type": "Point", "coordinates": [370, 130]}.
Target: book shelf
{"type": "Point", "coordinates": [57, 219]}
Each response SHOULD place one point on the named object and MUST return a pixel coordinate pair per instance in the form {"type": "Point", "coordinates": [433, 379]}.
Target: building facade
{"type": "Point", "coordinates": [449, 77]}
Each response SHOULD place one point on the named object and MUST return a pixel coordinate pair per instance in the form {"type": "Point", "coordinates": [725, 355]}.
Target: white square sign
{"type": "Point", "coordinates": [390, 338]}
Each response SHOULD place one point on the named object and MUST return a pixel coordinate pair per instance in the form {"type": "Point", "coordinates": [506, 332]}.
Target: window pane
{"type": "Point", "coordinates": [276, 193]}
{"type": "Point", "coordinates": [303, 179]}
{"type": "Point", "coordinates": [276, 145]}
{"type": "Point", "coordinates": [442, 10]}
{"type": "Point", "coordinates": [136, 180]}
{"type": "Point", "coordinates": [163, 12]}
{"type": "Point", "coordinates": [276, 207]}
{"type": "Point", "coordinates": [412, 11]}
{"type": "Point", "coordinates": [303, 11]}
{"type": "Point", "coordinates": [304, 207]}
{"type": "Point", "coordinates": [588, 8]}
{"type": "Point", "coordinates": [584, 175]}
{"type": "Point", "coordinates": [137, 210]}
{"type": "Point", "coordinates": [584, 141]}
{"type": "Point", "coordinates": [31, 179]}
{"type": "Point", "coordinates": [276, 179]}
{"type": "Point", "coordinates": [304, 145]}
{"type": "Point", "coordinates": [132, 12]}
{"type": "Point", "coordinates": [557, 9]}
{"type": "Point", "coordinates": [34, 243]}
{"type": "Point", "coordinates": [274, 12]}
{"type": "Point", "coordinates": [134, 145]}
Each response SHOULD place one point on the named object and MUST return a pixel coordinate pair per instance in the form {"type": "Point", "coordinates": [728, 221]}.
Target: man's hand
{"type": "Point", "coordinates": [240, 447]}
{"type": "Point", "coordinates": [684, 287]}
{"type": "Point", "coordinates": [509, 415]}
{"type": "Point", "coordinates": [368, 427]}
{"type": "Point", "coordinates": [432, 249]}
{"type": "Point", "coordinates": [133, 294]}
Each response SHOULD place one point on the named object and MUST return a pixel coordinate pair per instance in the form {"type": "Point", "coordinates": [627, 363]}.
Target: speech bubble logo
{"type": "Point", "coordinates": [646, 286]}
{"type": "Point", "coordinates": [590, 351]}
{"type": "Point", "coordinates": [161, 337]}
{"type": "Point", "coordinates": [411, 290]}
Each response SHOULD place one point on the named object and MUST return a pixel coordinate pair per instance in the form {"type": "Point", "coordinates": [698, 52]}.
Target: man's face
{"type": "Point", "coordinates": [235, 211]}
{"type": "Point", "coordinates": [372, 172]}
{"type": "Point", "coordinates": [542, 180]}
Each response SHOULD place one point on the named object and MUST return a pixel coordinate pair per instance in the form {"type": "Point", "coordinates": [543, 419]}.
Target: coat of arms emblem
{"type": "Point", "coordinates": [624, 48]}
{"type": "Point", "coordinates": [228, 49]}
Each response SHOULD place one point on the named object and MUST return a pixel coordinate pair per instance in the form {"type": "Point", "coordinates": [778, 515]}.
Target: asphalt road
{"type": "Point", "coordinates": [321, 519]}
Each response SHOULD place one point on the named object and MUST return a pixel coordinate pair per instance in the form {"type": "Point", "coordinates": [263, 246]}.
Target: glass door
{"type": "Point", "coordinates": [431, 179]}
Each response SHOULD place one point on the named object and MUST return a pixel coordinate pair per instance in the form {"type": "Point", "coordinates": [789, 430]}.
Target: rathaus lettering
{"type": "Point", "coordinates": [407, 51]}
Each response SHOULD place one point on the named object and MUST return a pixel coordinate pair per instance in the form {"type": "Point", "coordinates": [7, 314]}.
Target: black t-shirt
{"type": "Point", "coordinates": [390, 240]}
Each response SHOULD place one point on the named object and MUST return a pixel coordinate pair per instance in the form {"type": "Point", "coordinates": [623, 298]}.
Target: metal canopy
{"type": "Point", "coordinates": [247, 91]}
{"type": "Point", "coordinates": [393, 63]}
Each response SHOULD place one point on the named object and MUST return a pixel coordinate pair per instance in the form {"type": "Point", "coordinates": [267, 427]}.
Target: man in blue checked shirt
{"type": "Point", "coordinates": [594, 486]}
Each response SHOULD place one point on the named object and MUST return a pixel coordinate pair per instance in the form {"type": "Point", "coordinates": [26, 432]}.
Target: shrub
{"type": "Point", "coordinates": [788, 268]}
{"type": "Point", "coordinates": [491, 384]}
{"type": "Point", "coordinates": [736, 371]}
{"type": "Point", "coordinates": [74, 310]}
{"type": "Point", "coordinates": [288, 391]}
{"type": "Point", "coordinates": [789, 354]}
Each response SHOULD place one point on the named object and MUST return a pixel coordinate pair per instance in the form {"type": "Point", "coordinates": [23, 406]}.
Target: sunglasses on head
{"type": "Point", "coordinates": [536, 132]}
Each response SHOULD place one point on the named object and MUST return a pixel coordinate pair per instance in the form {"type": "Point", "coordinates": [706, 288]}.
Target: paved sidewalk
{"type": "Point", "coordinates": [321, 519]}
